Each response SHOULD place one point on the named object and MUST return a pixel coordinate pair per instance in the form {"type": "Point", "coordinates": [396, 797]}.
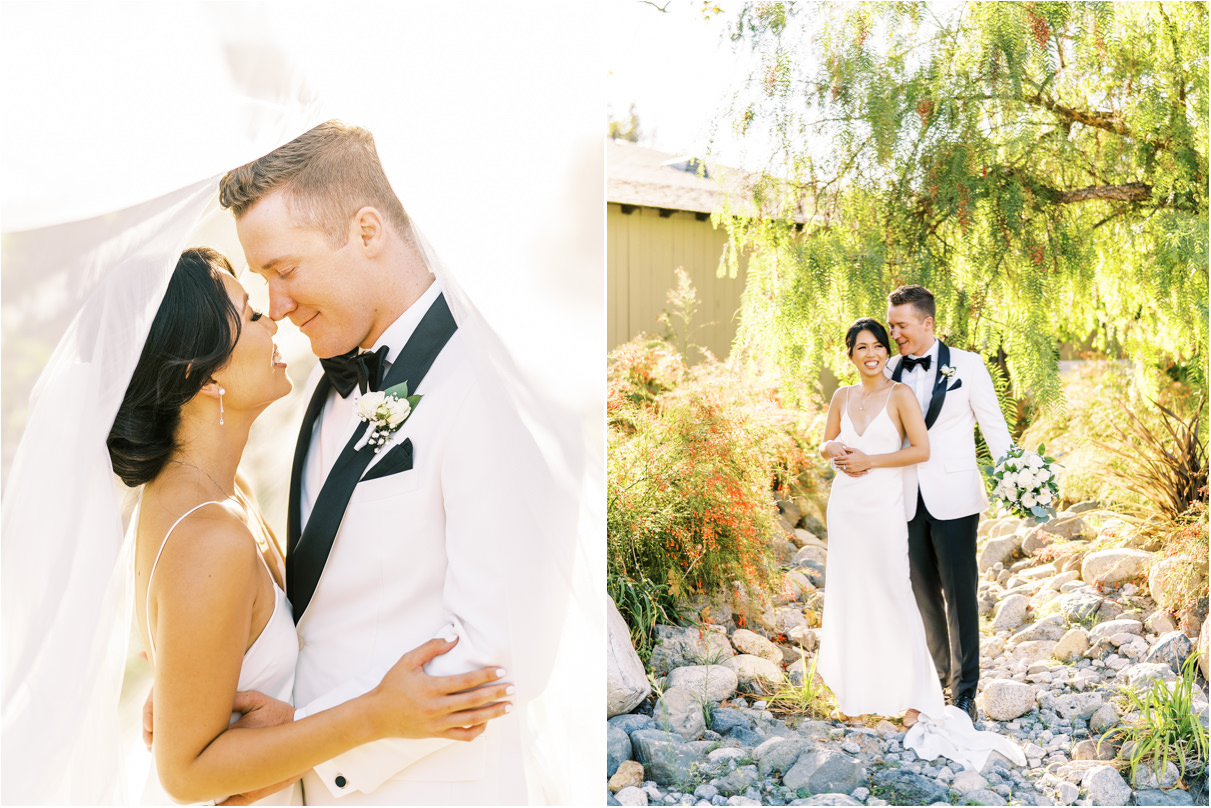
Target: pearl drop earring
{"type": "Point", "coordinates": [221, 392]}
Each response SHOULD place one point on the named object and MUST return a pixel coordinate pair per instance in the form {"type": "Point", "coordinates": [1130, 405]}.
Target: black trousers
{"type": "Point", "coordinates": [942, 561]}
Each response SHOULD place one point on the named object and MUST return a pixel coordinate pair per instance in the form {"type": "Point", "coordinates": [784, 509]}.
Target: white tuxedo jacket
{"type": "Point", "coordinates": [950, 482]}
{"type": "Point", "coordinates": [416, 557]}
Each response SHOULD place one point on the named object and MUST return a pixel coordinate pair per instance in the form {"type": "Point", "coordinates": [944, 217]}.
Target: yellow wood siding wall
{"type": "Point", "coordinates": [642, 251]}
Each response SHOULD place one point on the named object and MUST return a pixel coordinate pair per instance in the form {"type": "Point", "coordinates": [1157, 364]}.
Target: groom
{"type": "Point", "coordinates": [945, 495]}
{"type": "Point", "coordinates": [385, 549]}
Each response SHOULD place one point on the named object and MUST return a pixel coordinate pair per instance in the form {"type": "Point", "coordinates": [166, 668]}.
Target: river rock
{"type": "Point", "coordinates": [629, 774]}
{"type": "Point", "coordinates": [1005, 699]}
{"type": "Point", "coordinates": [1151, 796]}
{"type": "Point", "coordinates": [1072, 645]}
{"type": "Point", "coordinates": [1171, 649]}
{"type": "Point", "coordinates": [1078, 606]}
{"type": "Point", "coordinates": [1011, 612]}
{"type": "Point", "coordinates": [1070, 528]}
{"type": "Point", "coordinates": [665, 757]}
{"type": "Point", "coordinates": [1037, 539]}
{"type": "Point", "coordinates": [1091, 749]}
{"type": "Point", "coordinates": [681, 647]}
{"type": "Point", "coordinates": [1103, 718]}
{"type": "Point", "coordinates": [1112, 627]}
{"type": "Point", "coordinates": [626, 681]}
{"type": "Point", "coordinates": [737, 781]}
{"type": "Point", "coordinates": [1105, 786]}
{"type": "Point", "coordinates": [778, 754]}
{"type": "Point", "coordinates": [618, 749]}
{"type": "Point", "coordinates": [824, 771]}
{"type": "Point", "coordinates": [679, 710]}
{"type": "Point", "coordinates": [630, 722]}
{"type": "Point", "coordinates": [1159, 622]}
{"type": "Point", "coordinates": [1148, 776]}
{"type": "Point", "coordinates": [750, 642]}
{"type": "Point", "coordinates": [968, 780]}
{"type": "Point", "coordinates": [631, 795]}
{"type": "Point", "coordinates": [1141, 675]}
{"type": "Point", "coordinates": [1078, 705]}
{"type": "Point", "coordinates": [902, 787]}
{"type": "Point", "coordinates": [1033, 651]}
{"type": "Point", "coordinates": [999, 551]}
{"type": "Point", "coordinates": [760, 674]}
{"type": "Point", "coordinates": [1049, 628]}
{"type": "Point", "coordinates": [1113, 566]}
{"type": "Point", "coordinates": [710, 683]}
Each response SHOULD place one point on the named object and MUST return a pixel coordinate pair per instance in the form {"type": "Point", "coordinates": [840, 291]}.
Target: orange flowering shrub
{"type": "Point", "coordinates": [693, 471]}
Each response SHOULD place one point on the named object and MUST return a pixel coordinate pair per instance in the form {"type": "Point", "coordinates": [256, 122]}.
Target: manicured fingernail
{"type": "Point", "coordinates": [500, 673]}
{"type": "Point", "coordinates": [510, 690]}
{"type": "Point", "coordinates": [508, 708]}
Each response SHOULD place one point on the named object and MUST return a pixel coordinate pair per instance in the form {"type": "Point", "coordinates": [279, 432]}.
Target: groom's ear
{"type": "Point", "coordinates": [369, 229]}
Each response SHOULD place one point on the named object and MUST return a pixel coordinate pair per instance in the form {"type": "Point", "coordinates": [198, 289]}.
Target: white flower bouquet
{"type": "Point", "coordinates": [386, 411]}
{"type": "Point", "coordinates": [1024, 483]}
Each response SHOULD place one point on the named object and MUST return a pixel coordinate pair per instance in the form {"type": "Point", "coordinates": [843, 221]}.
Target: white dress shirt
{"type": "Point", "coordinates": [922, 381]}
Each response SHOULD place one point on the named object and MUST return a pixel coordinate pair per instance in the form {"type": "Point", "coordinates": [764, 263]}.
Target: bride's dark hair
{"type": "Point", "coordinates": [866, 324]}
{"type": "Point", "coordinates": [192, 336]}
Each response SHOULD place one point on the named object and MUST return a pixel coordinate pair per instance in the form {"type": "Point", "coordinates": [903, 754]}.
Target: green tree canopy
{"type": "Point", "coordinates": [1041, 167]}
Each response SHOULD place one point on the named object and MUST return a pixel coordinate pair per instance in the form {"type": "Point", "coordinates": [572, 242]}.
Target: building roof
{"type": "Point", "coordinates": [636, 175]}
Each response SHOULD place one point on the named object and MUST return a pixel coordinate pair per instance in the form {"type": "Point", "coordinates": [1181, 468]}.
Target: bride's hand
{"type": "Point", "coordinates": [834, 449]}
{"type": "Point", "coordinates": [410, 703]}
{"type": "Point", "coordinates": [854, 462]}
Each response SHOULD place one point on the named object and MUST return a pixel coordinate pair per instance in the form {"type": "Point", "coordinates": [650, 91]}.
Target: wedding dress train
{"type": "Point", "coordinates": [873, 653]}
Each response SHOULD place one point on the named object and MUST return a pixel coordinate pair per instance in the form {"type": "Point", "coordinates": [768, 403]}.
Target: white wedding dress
{"type": "Point", "coordinates": [268, 667]}
{"type": "Point", "coordinates": [873, 653]}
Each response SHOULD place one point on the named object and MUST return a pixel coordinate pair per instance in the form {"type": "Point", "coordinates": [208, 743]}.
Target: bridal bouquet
{"type": "Point", "coordinates": [1024, 483]}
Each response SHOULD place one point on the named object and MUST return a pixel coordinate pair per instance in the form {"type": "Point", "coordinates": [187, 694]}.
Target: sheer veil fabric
{"type": "Point", "coordinates": [88, 249]}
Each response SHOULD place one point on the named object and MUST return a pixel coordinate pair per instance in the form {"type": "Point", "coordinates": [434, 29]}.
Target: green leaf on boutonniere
{"type": "Point", "coordinates": [400, 390]}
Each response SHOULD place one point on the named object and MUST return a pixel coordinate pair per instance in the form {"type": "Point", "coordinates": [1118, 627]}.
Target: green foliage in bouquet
{"type": "Point", "coordinates": [1040, 166]}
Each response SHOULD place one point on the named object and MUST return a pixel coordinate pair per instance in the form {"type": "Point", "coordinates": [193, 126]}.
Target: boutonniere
{"type": "Point", "coordinates": [385, 411]}
{"type": "Point", "coordinates": [948, 371]}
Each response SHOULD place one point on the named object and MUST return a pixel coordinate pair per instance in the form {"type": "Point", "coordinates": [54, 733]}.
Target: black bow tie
{"type": "Point", "coordinates": [924, 362]}
{"type": "Point", "coordinates": [355, 369]}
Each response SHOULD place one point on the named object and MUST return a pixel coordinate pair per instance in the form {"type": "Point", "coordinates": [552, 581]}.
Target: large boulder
{"type": "Point", "coordinates": [776, 755]}
{"type": "Point", "coordinates": [1113, 566]}
{"type": "Point", "coordinates": [750, 642]}
{"type": "Point", "coordinates": [709, 683]}
{"type": "Point", "coordinates": [825, 771]}
{"type": "Point", "coordinates": [680, 711]}
{"type": "Point", "coordinates": [1070, 528]}
{"type": "Point", "coordinates": [677, 647]}
{"type": "Point", "coordinates": [626, 681]}
{"type": "Point", "coordinates": [1005, 699]}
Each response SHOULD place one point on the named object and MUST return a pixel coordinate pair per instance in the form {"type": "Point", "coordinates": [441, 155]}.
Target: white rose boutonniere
{"type": "Point", "coordinates": [948, 371]}
{"type": "Point", "coordinates": [385, 411]}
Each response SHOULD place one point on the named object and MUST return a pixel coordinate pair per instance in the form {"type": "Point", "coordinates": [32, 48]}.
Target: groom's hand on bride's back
{"type": "Point", "coordinates": [409, 703]}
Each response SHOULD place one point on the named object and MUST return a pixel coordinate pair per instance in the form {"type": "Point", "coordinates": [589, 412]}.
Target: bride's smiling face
{"type": "Point", "coordinates": [255, 375]}
{"type": "Point", "coordinates": [868, 354]}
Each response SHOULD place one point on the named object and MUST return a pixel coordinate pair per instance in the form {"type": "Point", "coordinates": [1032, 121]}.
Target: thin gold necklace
{"type": "Point", "coordinates": [207, 473]}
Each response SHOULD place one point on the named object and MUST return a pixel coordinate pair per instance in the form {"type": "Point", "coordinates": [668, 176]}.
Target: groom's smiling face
{"type": "Point", "coordinates": [910, 329]}
{"type": "Point", "coordinates": [324, 290]}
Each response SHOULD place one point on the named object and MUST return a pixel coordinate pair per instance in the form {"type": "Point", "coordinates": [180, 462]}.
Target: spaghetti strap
{"type": "Point", "coordinates": [147, 604]}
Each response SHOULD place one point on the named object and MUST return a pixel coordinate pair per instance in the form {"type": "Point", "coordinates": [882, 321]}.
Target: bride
{"type": "Point", "coordinates": [873, 652]}
{"type": "Point", "coordinates": [209, 588]}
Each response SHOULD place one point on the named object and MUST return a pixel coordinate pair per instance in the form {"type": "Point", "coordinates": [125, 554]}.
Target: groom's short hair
{"type": "Point", "coordinates": [327, 174]}
{"type": "Point", "coordinates": [920, 298]}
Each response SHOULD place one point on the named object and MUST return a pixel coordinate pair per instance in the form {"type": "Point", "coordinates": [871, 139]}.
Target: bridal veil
{"type": "Point", "coordinates": [137, 111]}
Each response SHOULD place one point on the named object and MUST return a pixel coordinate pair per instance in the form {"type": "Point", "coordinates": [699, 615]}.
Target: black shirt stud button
{"type": "Point", "coordinates": [340, 781]}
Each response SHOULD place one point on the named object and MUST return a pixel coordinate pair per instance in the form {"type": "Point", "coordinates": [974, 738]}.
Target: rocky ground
{"type": "Point", "coordinates": [1066, 627]}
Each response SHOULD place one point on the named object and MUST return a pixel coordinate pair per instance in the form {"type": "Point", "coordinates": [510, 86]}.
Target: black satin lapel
{"type": "Point", "coordinates": [898, 371]}
{"type": "Point", "coordinates": [315, 543]}
{"type": "Point", "coordinates": [294, 519]}
{"type": "Point", "coordinates": [938, 397]}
